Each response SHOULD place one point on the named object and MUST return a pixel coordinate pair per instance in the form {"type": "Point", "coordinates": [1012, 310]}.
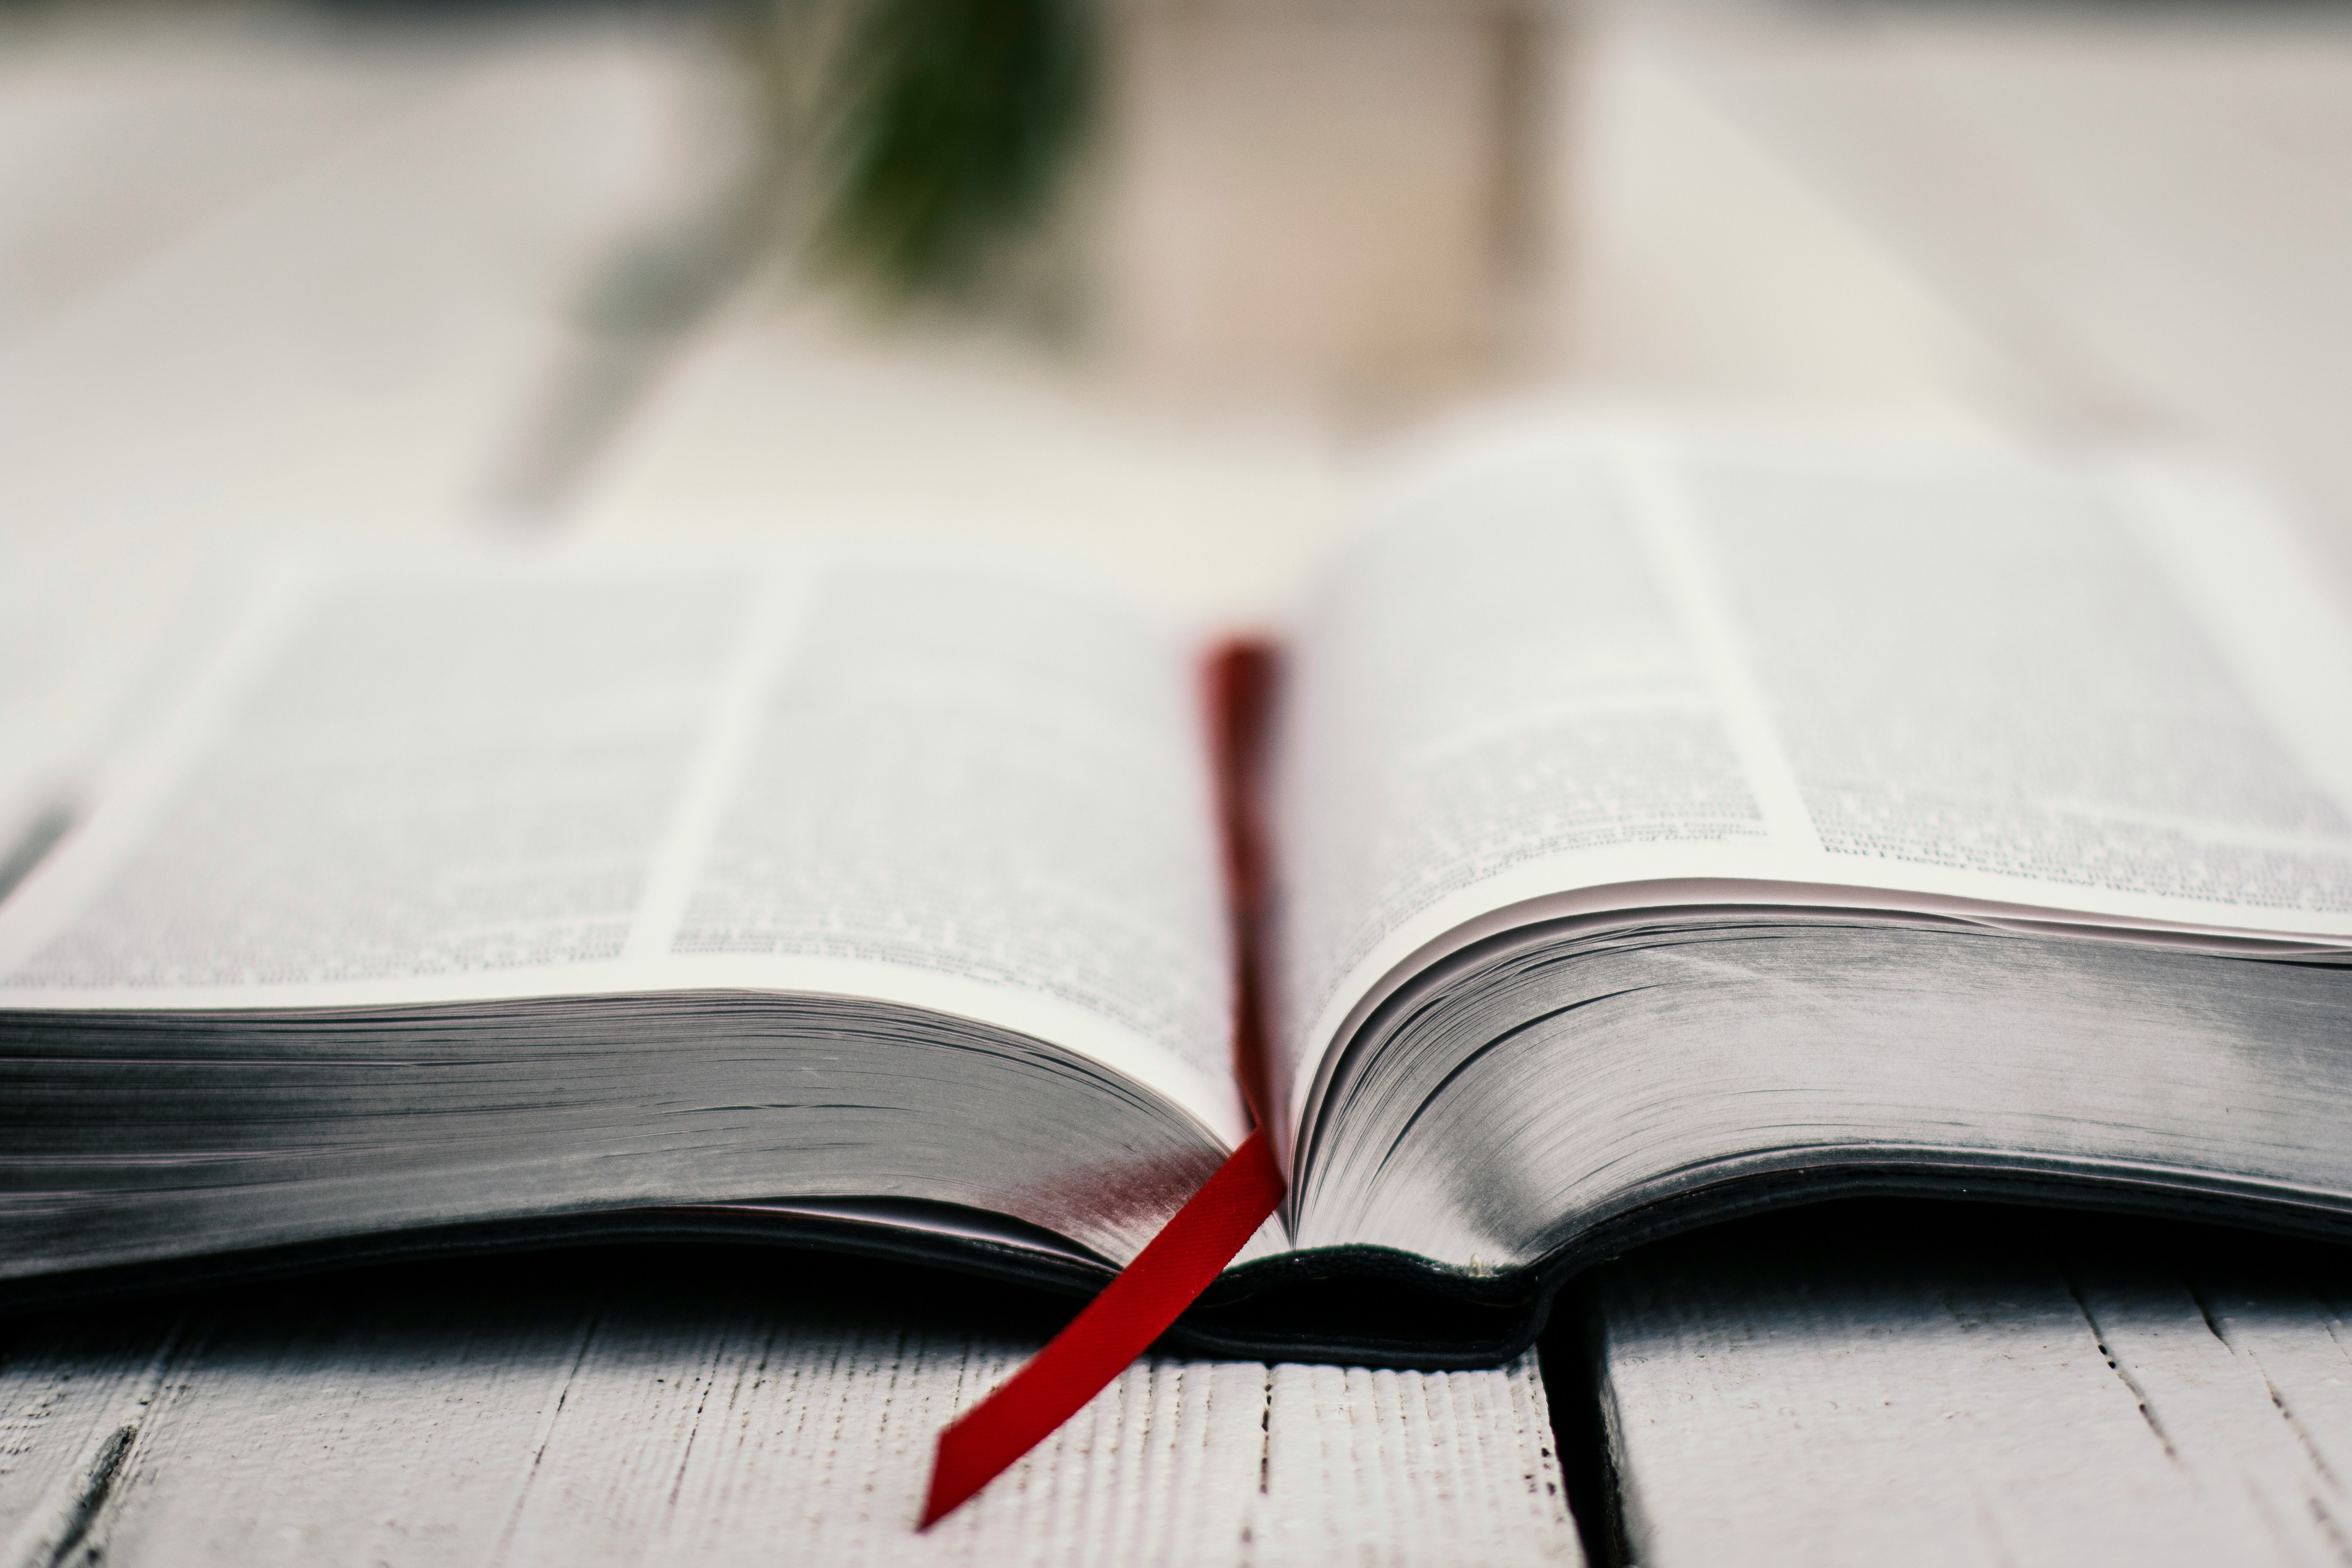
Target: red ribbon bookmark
{"type": "Point", "coordinates": [1192, 1250]}
{"type": "Point", "coordinates": [1133, 1310]}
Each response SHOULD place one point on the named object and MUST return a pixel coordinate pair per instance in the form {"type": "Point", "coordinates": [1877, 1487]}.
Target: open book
{"type": "Point", "coordinates": [1657, 829]}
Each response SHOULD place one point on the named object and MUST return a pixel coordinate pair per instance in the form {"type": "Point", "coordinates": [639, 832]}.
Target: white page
{"type": "Point", "coordinates": [919, 776]}
{"type": "Point", "coordinates": [1566, 676]}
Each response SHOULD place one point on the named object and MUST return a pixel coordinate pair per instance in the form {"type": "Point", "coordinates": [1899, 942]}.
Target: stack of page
{"type": "Point", "coordinates": [1660, 828]}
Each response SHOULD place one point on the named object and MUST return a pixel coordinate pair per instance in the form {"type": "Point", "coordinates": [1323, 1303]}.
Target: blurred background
{"type": "Point", "coordinates": [1139, 279]}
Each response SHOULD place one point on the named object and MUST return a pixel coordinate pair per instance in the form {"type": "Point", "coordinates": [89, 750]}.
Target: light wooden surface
{"type": "Point", "coordinates": [2148, 210]}
{"type": "Point", "coordinates": [117, 141]}
{"type": "Point", "coordinates": [185, 369]}
{"type": "Point", "coordinates": [1905, 1389]}
{"type": "Point", "coordinates": [718, 1412]}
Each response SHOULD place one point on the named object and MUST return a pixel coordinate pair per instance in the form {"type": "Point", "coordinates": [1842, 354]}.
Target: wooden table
{"type": "Point", "coordinates": [1934, 1384]}
{"type": "Point", "coordinates": [680, 1405]}
{"type": "Point", "coordinates": [185, 373]}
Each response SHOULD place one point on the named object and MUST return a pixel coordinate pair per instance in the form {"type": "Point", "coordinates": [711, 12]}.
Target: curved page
{"type": "Point", "coordinates": [1583, 674]}
{"type": "Point", "coordinates": [416, 797]}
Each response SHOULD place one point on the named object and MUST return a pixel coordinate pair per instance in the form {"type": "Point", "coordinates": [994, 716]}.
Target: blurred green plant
{"type": "Point", "coordinates": [944, 130]}
{"type": "Point", "coordinates": [912, 145]}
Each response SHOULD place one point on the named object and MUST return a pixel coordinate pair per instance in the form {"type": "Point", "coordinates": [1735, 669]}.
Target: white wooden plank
{"type": "Point", "coordinates": [641, 1425]}
{"type": "Point", "coordinates": [1971, 1408]}
{"type": "Point", "coordinates": [121, 134]}
{"type": "Point", "coordinates": [62, 1410]}
{"type": "Point", "coordinates": [1697, 269]}
{"type": "Point", "coordinates": [2145, 206]}
{"type": "Point", "coordinates": [2299, 1344]}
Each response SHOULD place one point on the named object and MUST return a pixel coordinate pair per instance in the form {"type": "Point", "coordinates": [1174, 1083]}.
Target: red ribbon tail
{"type": "Point", "coordinates": [1134, 1309]}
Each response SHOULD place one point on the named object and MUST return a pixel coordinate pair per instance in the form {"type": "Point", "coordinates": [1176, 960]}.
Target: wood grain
{"type": "Point", "coordinates": [657, 1411]}
{"type": "Point", "coordinates": [1934, 1390]}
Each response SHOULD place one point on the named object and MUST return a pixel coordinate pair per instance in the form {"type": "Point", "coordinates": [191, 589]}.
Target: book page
{"type": "Point", "coordinates": [1573, 675]}
{"type": "Point", "coordinates": [915, 776]}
